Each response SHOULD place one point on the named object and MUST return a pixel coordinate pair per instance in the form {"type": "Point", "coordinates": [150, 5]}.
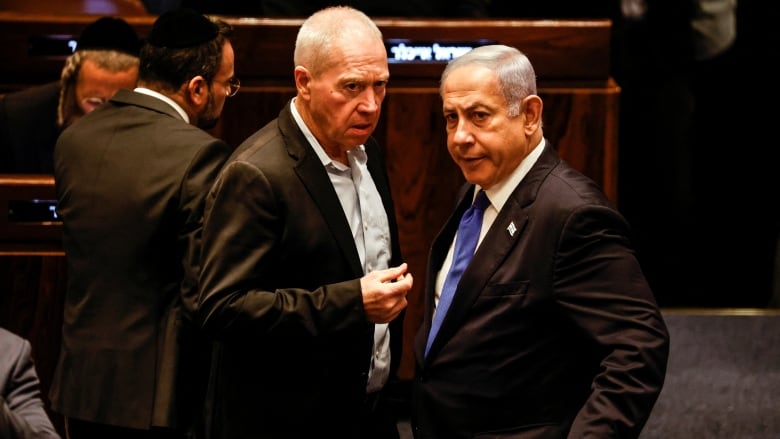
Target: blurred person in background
{"type": "Point", "coordinates": [31, 120]}
{"type": "Point", "coordinates": [131, 179]}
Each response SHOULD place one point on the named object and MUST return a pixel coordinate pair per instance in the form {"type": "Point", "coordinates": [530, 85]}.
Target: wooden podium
{"type": "Point", "coordinates": [571, 59]}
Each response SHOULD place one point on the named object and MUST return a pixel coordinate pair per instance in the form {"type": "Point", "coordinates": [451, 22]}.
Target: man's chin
{"type": "Point", "coordinates": [207, 124]}
{"type": "Point", "coordinates": [360, 139]}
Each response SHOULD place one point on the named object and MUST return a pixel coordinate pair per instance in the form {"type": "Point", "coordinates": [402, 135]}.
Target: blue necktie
{"type": "Point", "coordinates": [465, 245]}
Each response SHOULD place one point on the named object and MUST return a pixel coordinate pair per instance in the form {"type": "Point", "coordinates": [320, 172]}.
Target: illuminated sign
{"type": "Point", "coordinates": [35, 210]}
{"type": "Point", "coordinates": [409, 51]}
{"type": "Point", "coordinates": [51, 45]}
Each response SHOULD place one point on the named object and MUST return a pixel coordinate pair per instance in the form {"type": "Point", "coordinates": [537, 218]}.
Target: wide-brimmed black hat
{"type": "Point", "coordinates": [181, 28]}
{"type": "Point", "coordinates": [110, 33]}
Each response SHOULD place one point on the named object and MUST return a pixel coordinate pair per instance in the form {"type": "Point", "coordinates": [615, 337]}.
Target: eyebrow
{"type": "Point", "coordinates": [469, 108]}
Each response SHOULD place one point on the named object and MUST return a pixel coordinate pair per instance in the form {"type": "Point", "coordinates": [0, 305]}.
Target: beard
{"type": "Point", "coordinates": [210, 116]}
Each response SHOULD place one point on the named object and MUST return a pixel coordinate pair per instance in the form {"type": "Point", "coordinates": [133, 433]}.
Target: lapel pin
{"type": "Point", "coordinates": [511, 229]}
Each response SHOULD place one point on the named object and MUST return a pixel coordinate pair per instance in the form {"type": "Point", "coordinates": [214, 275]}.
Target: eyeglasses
{"type": "Point", "coordinates": [232, 86]}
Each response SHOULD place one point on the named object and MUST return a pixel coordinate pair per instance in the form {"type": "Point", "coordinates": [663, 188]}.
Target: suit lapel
{"type": "Point", "coordinates": [314, 176]}
{"type": "Point", "coordinates": [503, 236]}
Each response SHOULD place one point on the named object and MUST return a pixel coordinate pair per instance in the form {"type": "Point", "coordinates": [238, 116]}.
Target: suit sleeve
{"type": "Point", "coordinates": [197, 182]}
{"type": "Point", "coordinates": [243, 229]}
{"type": "Point", "coordinates": [22, 413]}
{"type": "Point", "coordinates": [599, 283]}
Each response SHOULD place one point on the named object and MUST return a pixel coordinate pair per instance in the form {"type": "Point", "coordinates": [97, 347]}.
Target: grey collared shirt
{"type": "Point", "coordinates": [370, 227]}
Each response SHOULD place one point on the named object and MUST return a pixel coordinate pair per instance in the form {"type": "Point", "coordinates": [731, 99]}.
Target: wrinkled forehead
{"type": "Point", "coordinates": [367, 59]}
{"type": "Point", "coordinates": [469, 78]}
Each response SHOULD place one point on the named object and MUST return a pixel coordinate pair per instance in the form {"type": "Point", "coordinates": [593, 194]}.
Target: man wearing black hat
{"type": "Point", "coordinates": [105, 60]}
{"type": "Point", "coordinates": [131, 178]}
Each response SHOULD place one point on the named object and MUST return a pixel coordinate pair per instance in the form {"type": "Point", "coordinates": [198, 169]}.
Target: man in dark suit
{"type": "Point", "coordinates": [105, 60]}
{"type": "Point", "coordinates": [301, 261]}
{"type": "Point", "coordinates": [22, 412]}
{"type": "Point", "coordinates": [131, 180]}
{"type": "Point", "coordinates": [552, 331]}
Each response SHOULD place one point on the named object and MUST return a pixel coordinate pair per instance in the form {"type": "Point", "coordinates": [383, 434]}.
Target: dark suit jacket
{"type": "Point", "coordinates": [280, 288]}
{"type": "Point", "coordinates": [553, 331]}
{"type": "Point", "coordinates": [22, 413]}
{"type": "Point", "coordinates": [131, 179]}
{"type": "Point", "coordinates": [28, 129]}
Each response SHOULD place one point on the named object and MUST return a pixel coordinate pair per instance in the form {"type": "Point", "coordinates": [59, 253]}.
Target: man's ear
{"type": "Point", "coordinates": [532, 113]}
{"type": "Point", "coordinates": [302, 79]}
{"type": "Point", "coordinates": [198, 92]}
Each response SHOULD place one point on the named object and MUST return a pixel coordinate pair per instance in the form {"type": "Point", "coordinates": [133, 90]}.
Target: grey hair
{"type": "Point", "coordinates": [515, 74]}
{"type": "Point", "coordinates": [325, 30]}
{"type": "Point", "coordinates": [111, 60]}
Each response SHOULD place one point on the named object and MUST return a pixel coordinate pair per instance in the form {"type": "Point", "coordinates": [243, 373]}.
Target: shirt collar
{"type": "Point", "coordinates": [500, 192]}
{"type": "Point", "coordinates": [318, 149]}
{"type": "Point", "coordinates": [165, 99]}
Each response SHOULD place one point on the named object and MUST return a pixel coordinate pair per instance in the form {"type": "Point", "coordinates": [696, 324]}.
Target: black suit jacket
{"type": "Point", "coordinates": [553, 331]}
{"type": "Point", "coordinates": [28, 129]}
{"type": "Point", "coordinates": [280, 288]}
{"type": "Point", "coordinates": [131, 179]}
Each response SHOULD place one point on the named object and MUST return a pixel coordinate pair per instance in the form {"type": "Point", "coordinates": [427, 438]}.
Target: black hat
{"type": "Point", "coordinates": [110, 33]}
{"type": "Point", "coordinates": [180, 28]}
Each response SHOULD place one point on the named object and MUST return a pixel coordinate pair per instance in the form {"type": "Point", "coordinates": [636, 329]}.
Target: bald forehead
{"type": "Point", "coordinates": [330, 30]}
